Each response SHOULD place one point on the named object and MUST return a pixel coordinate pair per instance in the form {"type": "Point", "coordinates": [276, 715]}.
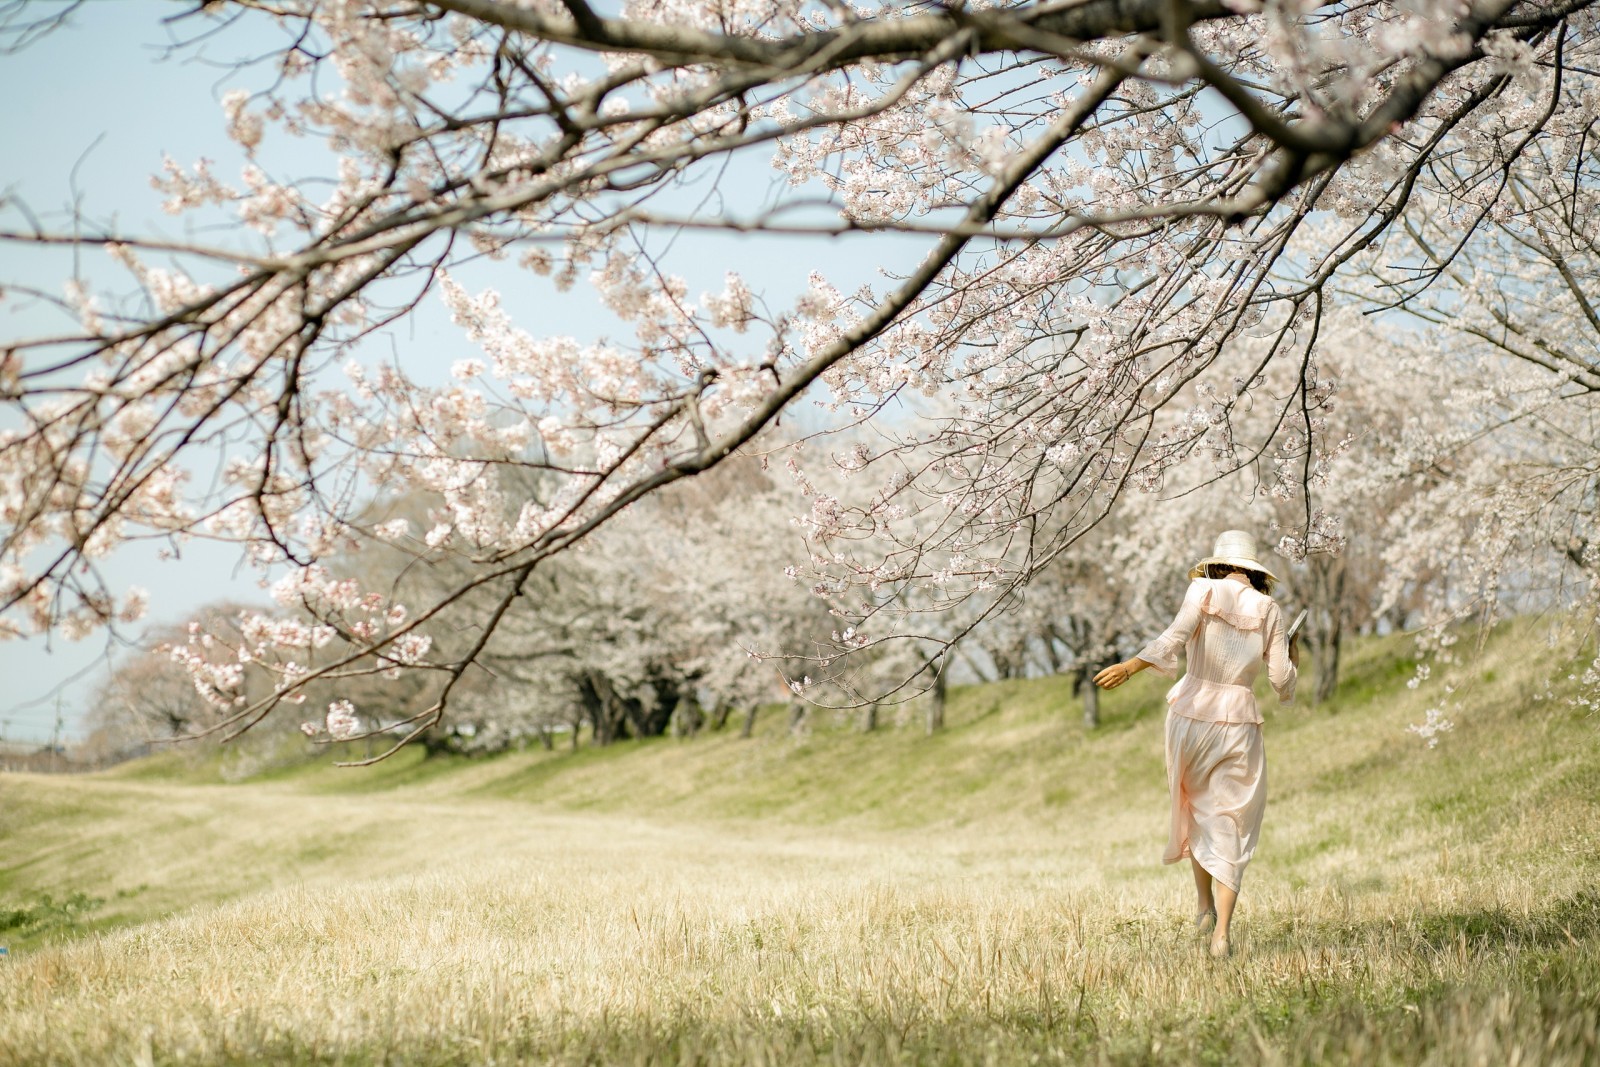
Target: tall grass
{"type": "Point", "coordinates": [989, 896]}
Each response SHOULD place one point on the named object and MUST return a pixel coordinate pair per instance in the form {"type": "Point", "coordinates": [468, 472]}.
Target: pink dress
{"type": "Point", "coordinates": [1216, 764]}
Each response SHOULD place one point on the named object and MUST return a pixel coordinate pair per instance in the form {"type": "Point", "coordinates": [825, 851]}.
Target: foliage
{"type": "Point", "coordinates": [1137, 216]}
{"type": "Point", "coordinates": [45, 915]}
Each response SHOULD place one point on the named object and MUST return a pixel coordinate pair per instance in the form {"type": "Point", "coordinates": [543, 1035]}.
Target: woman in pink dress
{"type": "Point", "coordinates": [1229, 625]}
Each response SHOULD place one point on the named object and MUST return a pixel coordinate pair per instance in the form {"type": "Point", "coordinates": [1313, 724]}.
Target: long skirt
{"type": "Point", "coordinates": [1217, 775]}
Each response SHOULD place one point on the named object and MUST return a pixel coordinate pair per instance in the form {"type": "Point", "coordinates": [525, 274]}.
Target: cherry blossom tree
{"type": "Point", "coordinates": [148, 697]}
{"type": "Point", "coordinates": [154, 695]}
{"type": "Point", "coordinates": [1504, 461]}
{"type": "Point", "coordinates": [1119, 200]}
{"type": "Point", "coordinates": [678, 612]}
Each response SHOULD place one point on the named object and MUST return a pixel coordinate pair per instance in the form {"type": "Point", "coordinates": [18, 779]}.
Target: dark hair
{"type": "Point", "coordinates": [1257, 578]}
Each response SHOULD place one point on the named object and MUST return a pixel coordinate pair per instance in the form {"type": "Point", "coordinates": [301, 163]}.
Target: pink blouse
{"type": "Point", "coordinates": [1228, 630]}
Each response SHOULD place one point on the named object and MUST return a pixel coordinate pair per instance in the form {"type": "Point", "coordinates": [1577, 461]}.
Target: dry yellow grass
{"type": "Point", "coordinates": [1408, 907]}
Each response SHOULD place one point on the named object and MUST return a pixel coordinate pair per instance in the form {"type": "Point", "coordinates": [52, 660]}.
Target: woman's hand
{"type": "Point", "coordinates": [1113, 676]}
{"type": "Point", "coordinates": [1294, 651]}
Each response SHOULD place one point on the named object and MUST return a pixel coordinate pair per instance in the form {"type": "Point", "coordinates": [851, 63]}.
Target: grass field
{"type": "Point", "coordinates": [991, 895]}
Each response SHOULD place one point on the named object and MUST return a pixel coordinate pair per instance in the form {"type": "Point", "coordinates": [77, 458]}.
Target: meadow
{"type": "Point", "coordinates": [989, 895]}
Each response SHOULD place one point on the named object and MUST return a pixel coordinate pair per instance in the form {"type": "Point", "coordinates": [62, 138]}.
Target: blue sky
{"type": "Point", "coordinates": [91, 110]}
{"type": "Point", "coordinates": [89, 113]}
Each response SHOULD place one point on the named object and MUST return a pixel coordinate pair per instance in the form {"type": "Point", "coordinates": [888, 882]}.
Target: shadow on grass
{"type": "Point", "coordinates": [1565, 922]}
{"type": "Point", "coordinates": [1573, 922]}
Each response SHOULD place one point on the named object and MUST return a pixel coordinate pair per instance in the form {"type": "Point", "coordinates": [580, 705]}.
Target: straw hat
{"type": "Point", "coordinates": [1236, 548]}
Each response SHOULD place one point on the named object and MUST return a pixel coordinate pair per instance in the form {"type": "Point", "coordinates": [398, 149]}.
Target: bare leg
{"type": "Point", "coordinates": [1226, 898]}
{"type": "Point", "coordinates": [1205, 907]}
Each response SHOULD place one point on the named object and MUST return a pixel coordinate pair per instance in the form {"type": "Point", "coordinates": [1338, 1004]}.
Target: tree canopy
{"type": "Point", "coordinates": [1150, 230]}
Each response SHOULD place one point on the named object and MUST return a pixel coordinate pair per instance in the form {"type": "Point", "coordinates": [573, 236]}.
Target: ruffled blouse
{"type": "Point", "coordinates": [1228, 630]}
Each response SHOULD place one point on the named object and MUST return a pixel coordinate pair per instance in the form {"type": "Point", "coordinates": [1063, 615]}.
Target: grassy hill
{"type": "Point", "coordinates": [992, 894]}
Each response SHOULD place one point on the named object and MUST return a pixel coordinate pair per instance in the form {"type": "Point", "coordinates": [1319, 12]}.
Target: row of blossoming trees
{"type": "Point", "coordinates": [1150, 230]}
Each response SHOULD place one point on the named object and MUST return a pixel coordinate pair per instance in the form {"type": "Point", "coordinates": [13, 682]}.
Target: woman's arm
{"type": "Point", "coordinates": [1283, 657]}
{"type": "Point", "coordinates": [1161, 655]}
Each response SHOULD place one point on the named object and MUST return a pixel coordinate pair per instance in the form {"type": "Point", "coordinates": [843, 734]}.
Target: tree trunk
{"type": "Point", "coordinates": [1091, 697]}
{"type": "Point", "coordinates": [936, 698]}
{"type": "Point", "coordinates": [606, 711]}
{"type": "Point", "coordinates": [594, 710]}
{"type": "Point", "coordinates": [719, 715]}
{"type": "Point", "coordinates": [547, 738]}
{"type": "Point", "coordinates": [1328, 583]}
{"type": "Point", "coordinates": [1010, 661]}
{"type": "Point", "coordinates": [1055, 646]}
{"type": "Point", "coordinates": [973, 665]}
{"type": "Point", "coordinates": [749, 727]}
{"type": "Point", "coordinates": [869, 718]}
{"type": "Point", "coordinates": [1327, 658]}
{"type": "Point", "coordinates": [797, 715]}
{"type": "Point", "coordinates": [652, 716]}
{"type": "Point", "coordinates": [686, 718]}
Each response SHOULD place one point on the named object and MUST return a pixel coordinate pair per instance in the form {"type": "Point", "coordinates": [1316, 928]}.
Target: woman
{"type": "Point", "coordinates": [1216, 766]}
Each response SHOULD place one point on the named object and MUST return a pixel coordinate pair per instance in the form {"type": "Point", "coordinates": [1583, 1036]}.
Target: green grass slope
{"type": "Point", "coordinates": [993, 892]}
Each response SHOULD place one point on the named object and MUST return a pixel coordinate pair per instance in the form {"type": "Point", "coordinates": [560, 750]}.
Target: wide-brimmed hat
{"type": "Point", "coordinates": [1237, 548]}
